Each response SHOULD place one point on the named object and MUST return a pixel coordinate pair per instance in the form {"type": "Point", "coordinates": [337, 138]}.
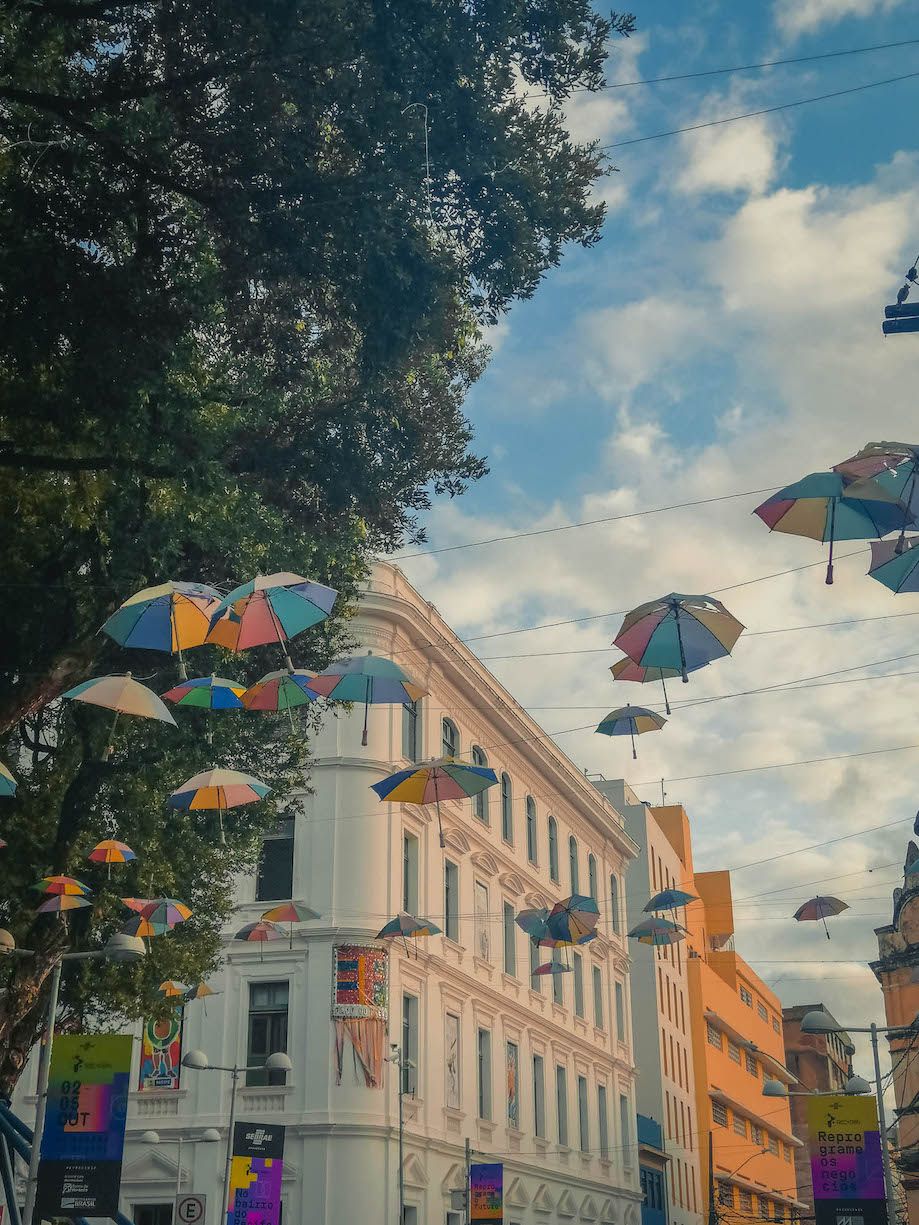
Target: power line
{"type": "Point", "coordinates": [786, 765]}
{"type": "Point", "coordinates": [872, 829]}
{"type": "Point", "coordinates": [766, 110]}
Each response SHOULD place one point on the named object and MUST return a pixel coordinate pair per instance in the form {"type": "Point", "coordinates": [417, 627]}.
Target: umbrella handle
{"type": "Point", "coordinates": [183, 674]}
{"type": "Point", "coordinates": [280, 633]}
{"type": "Point", "coordinates": [632, 734]}
{"type": "Point", "coordinates": [367, 695]}
{"type": "Point", "coordinates": [440, 827]}
{"type": "Point", "coordinates": [900, 546]}
{"type": "Point", "coordinates": [107, 751]}
{"type": "Point", "coordinates": [666, 699]}
{"type": "Point", "coordinates": [829, 568]}
{"type": "Point", "coordinates": [679, 638]}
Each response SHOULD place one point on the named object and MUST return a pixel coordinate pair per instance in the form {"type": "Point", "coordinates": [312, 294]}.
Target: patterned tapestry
{"type": "Point", "coordinates": [360, 1000]}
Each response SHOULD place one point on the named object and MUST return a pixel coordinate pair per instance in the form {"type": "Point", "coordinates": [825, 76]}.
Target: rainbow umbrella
{"type": "Point", "coordinates": [259, 933]}
{"type": "Point", "coordinates": [109, 851]}
{"type": "Point", "coordinates": [167, 910]}
{"type": "Point", "coordinates": [549, 942]}
{"type": "Point", "coordinates": [829, 506]}
{"type": "Point", "coordinates": [63, 885]}
{"type": "Point", "coordinates": [678, 631]}
{"type": "Point", "coordinates": [895, 567]}
{"type": "Point", "coordinates": [573, 918]}
{"type": "Point", "coordinates": [270, 608]}
{"type": "Point", "coordinates": [139, 926]}
{"type": "Point", "coordinates": [895, 467]}
{"type": "Point", "coordinates": [552, 967]}
{"type": "Point", "coordinates": [7, 782]}
{"type": "Point", "coordinates": [220, 789]}
{"type": "Point", "coordinates": [170, 989]}
{"type": "Point", "coordinates": [280, 691]}
{"type": "Point", "coordinates": [441, 779]}
{"type": "Point", "coordinates": [291, 912]}
{"type": "Point", "coordinates": [169, 617]}
{"type": "Point", "coordinates": [819, 909]}
{"type": "Point", "coordinates": [669, 899]}
{"type": "Point", "coordinates": [628, 670]}
{"type": "Point", "coordinates": [123, 695]}
{"type": "Point", "coordinates": [62, 902]}
{"type": "Point", "coordinates": [630, 721]}
{"type": "Point", "coordinates": [208, 692]}
{"type": "Point", "coordinates": [370, 679]}
{"type": "Point", "coordinates": [137, 904]}
{"type": "Point", "coordinates": [533, 922]}
{"type": "Point", "coordinates": [407, 925]}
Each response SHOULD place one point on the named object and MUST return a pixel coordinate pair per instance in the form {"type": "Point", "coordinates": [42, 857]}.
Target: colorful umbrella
{"type": "Point", "coordinates": [628, 670]}
{"type": "Point", "coordinates": [170, 988]}
{"type": "Point", "coordinates": [572, 918]}
{"type": "Point", "coordinates": [280, 691]}
{"type": "Point", "coordinates": [137, 904]}
{"type": "Point", "coordinates": [533, 922]}
{"type": "Point", "coordinates": [678, 631]}
{"type": "Point", "coordinates": [370, 679]}
{"type": "Point", "coordinates": [270, 608]}
{"type": "Point", "coordinates": [407, 925]}
{"type": "Point", "coordinates": [259, 933]}
{"type": "Point", "coordinates": [895, 567]}
{"type": "Point", "coordinates": [655, 926]}
{"type": "Point", "coordinates": [291, 912]}
{"type": "Point", "coordinates": [123, 695]}
{"type": "Point", "coordinates": [441, 779]}
{"type": "Point", "coordinates": [220, 789]}
{"type": "Point", "coordinates": [61, 902]}
{"type": "Point", "coordinates": [630, 721]}
{"type": "Point", "coordinates": [670, 899]}
{"type": "Point", "coordinates": [549, 942]}
{"type": "Point", "coordinates": [169, 617]}
{"type": "Point", "coordinates": [201, 992]}
{"type": "Point", "coordinates": [828, 506]}
{"type": "Point", "coordinates": [658, 938]}
{"type": "Point", "coordinates": [3, 843]}
{"type": "Point", "coordinates": [895, 466]}
{"type": "Point", "coordinates": [208, 692]}
{"type": "Point", "coordinates": [109, 851]}
{"type": "Point", "coordinates": [64, 885]}
{"type": "Point", "coordinates": [552, 967]}
{"type": "Point", "coordinates": [139, 926]}
{"type": "Point", "coordinates": [163, 910]}
{"type": "Point", "coordinates": [820, 908]}
{"type": "Point", "coordinates": [7, 782]}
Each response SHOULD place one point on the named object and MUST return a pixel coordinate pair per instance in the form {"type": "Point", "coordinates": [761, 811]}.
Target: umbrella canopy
{"type": "Point", "coordinates": [138, 904]}
{"type": "Point", "coordinates": [678, 631]}
{"type": "Point", "coordinates": [291, 912]}
{"type": "Point", "coordinates": [167, 910]}
{"type": "Point", "coordinates": [443, 779]}
{"type": "Point", "coordinates": [139, 926]}
{"type": "Point", "coordinates": [169, 617]}
{"type": "Point", "coordinates": [218, 788]}
{"type": "Point", "coordinates": [552, 967]}
{"type": "Point", "coordinates": [533, 922]}
{"type": "Point", "coordinates": [208, 692]}
{"type": "Point", "coordinates": [549, 942]}
{"type": "Point", "coordinates": [201, 992]}
{"type": "Point", "coordinates": [259, 933]}
{"type": "Point", "coordinates": [370, 679]}
{"type": "Point", "coordinates": [170, 988]}
{"type": "Point", "coordinates": [407, 925]}
{"type": "Point", "coordinates": [877, 457]}
{"type": "Point", "coordinates": [270, 608]}
{"type": "Point", "coordinates": [654, 926]}
{"type": "Point", "coordinates": [110, 851]}
{"type": "Point", "coordinates": [121, 694]}
{"type": "Point", "coordinates": [670, 899]}
{"type": "Point", "coordinates": [280, 691]}
{"type": "Point", "coordinates": [60, 902]}
{"type": "Point", "coordinates": [819, 909]}
{"type": "Point", "coordinates": [572, 918]}
{"type": "Point", "coordinates": [3, 843]}
{"type": "Point", "coordinates": [628, 670]}
{"type": "Point", "coordinates": [897, 568]}
{"type": "Point", "coordinates": [7, 782]}
{"type": "Point", "coordinates": [630, 721]}
{"type": "Point", "coordinates": [65, 885]}
{"type": "Point", "coordinates": [658, 938]}
{"type": "Point", "coordinates": [828, 506]}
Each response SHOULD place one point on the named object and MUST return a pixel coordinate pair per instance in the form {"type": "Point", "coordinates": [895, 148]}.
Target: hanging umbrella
{"type": "Point", "coordinates": [270, 608]}
{"type": "Point", "coordinates": [655, 926]}
{"type": "Point", "coordinates": [630, 721]}
{"type": "Point", "coordinates": [670, 899]}
{"type": "Point", "coordinates": [139, 926]}
{"type": "Point", "coordinates": [138, 904]}
{"type": "Point", "coordinates": [533, 922]}
{"type": "Point", "coordinates": [3, 843]}
{"type": "Point", "coordinates": [551, 967]}
{"type": "Point", "coordinates": [123, 695]}
{"type": "Point", "coordinates": [407, 925]}
{"type": "Point", "coordinates": [7, 782]}
{"type": "Point", "coordinates": [896, 568]}
{"type": "Point", "coordinates": [370, 679]}
{"type": "Point", "coordinates": [441, 779]}
{"type": "Point", "coordinates": [281, 691]}
{"type": "Point", "coordinates": [260, 932]}
{"type": "Point", "coordinates": [61, 902]}
{"type": "Point", "coordinates": [109, 851]}
{"type": "Point", "coordinates": [828, 506]}
{"type": "Point", "coordinates": [220, 789]}
{"type": "Point", "coordinates": [291, 912]}
{"type": "Point", "coordinates": [201, 992]}
{"type": "Point", "coordinates": [64, 885]}
{"type": "Point", "coordinates": [628, 670]}
{"type": "Point", "coordinates": [658, 938]}
{"type": "Point", "coordinates": [170, 989]}
{"type": "Point", "coordinates": [208, 692]}
{"type": "Point", "coordinates": [678, 631]}
{"type": "Point", "coordinates": [895, 467]}
{"type": "Point", "coordinates": [167, 910]}
{"type": "Point", "coordinates": [572, 918]}
{"type": "Point", "coordinates": [170, 617]}
{"type": "Point", "coordinates": [819, 909]}
{"type": "Point", "coordinates": [549, 942]}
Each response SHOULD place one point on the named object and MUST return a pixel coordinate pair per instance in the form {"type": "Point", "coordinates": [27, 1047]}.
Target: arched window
{"type": "Point", "coordinates": [553, 849]}
{"type": "Point", "coordinates": [507, 815]}
{"type": "Point", "coordinates": [614, 902]}
{"type": "Point", "coordinates": [573, 864]}
{"type": "Point", "coordinates": [531, 829]}
{"type": "Point", "coordinates": [480, 801]}
{"type": "Point", "coordinates": [592, 878]}
{"type": "Point", "coordinates": [450, 739]}
{"type": "Point", "coordinates": [411, 730]}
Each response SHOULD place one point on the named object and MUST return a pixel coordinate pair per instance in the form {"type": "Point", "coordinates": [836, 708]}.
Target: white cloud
{"type": "Point", "coordinates": [735, 157]}
{"type": "Point", "coordinates": [627, 345]}
{"type": "Point", "coordinates": [797, 17]}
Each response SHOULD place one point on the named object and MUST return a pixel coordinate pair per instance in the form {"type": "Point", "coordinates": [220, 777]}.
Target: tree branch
{"type": "Point", "coordinates": [76, 463]}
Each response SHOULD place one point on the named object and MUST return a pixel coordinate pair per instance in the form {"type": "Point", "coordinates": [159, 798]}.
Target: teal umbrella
{"type": "Point", "coordinates": [370, 679]}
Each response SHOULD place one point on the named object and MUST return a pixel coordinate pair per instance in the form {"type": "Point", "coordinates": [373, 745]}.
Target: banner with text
{"type": "Point", "coordinates": [486, 1186]}
{"type": "Point", "coordinates": [161, 1054]}
{"type": "Point", "coordinates": [83, 1138]}
{"type": "Point", "coordinates": [847, 1170]}
{"type": "Point", "coordinates": [255, 1174]}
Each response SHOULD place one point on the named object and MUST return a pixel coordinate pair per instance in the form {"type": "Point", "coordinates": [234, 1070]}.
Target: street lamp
{"type": "Point", "coordinates": [199, 1062]}
{"type": "Point", "coordinates": [398, 1057]}
{"type": "Point", "coordinates": [775, 1088]}
{"type": "Point", "coordinates": [210, 1135]}
{"type": "Point", "coordinates": [120, 948]}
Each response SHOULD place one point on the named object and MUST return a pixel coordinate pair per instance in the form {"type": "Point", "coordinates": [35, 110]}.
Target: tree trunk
{"type": "Point", "coordinates": [68, 668]}
{"type": "Point", "coordinates": [22, 1012]}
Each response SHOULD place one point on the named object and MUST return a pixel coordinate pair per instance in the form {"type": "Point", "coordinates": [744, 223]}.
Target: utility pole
{"type": "Point", "coordinates": [468, 1183]}
{"type": "Point", "coordinates": [712, 1210]}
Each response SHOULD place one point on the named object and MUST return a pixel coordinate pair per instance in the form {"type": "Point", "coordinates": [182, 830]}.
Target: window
{"type": "Point", "coordinates": [267, 1030]}
{"type": "Point", "coordinates": [573, 864]}
{"type": "Point", "coordinates": [764, 1208]}
{"type": "Point", "coordinates": [152, 1214]}
{"type": "Point", "coordinates": [531, 829]}
{"type": "Point", "coordinates": [578, 963]}
{"type": "Point", "coordinates": [411, 730]}
{"type": "Point", "coordinates": [409, 873]}
{"type": "Point", "coordinates": [756, 1134]}
{"type": "Point", "coordinates": [787, 1153]}
{"type": "Point", "coordinates": [614, 903]}
{"type": "Point", "coordinates": [484, 1074]}
{"type": "Point", "coordinates": [592, 878]}
{"type": "Point", "coordinates": [409, 1043]}
{"type": "Point", "coordinates": [450, 739]}
{"type": "Point", "coordinates": [773, 1145]}
{"type": "Point", "coordinates": [452, 1066]}
{"type": "Point", "coordinates": [561, 1103]}
{"type": "Point", "coordinates": [625, 1128]}
{"type": "Point", "coordinates": [275, 879]}
{"type": "Point", "coordinates": [652, 1186]}
{"type": "Point", "coordinates": [620, 1012]}
{"type": "Point", "coordinates": [451, 900]}
{"type": "Point", "coordinates": [558, 980]}
{"type": "Point", "coordinates": [733, 1051]}
{"type": "Point", "coordinates": [746, 996]}
{"type": "Point", "coordinates": [539, 1095]}
{"type": "Point", "coordinates": [761, 1011]}
{"type": "Point", "coordinates": [598, 998]}
{"type": "Point", "coordinates": [776, 1025]}
{"type": "Point", "coordinates": [746, 1201]}
{"type": "Point", "coordinates": [740, 1125]}
{"type": "Point", "coordinates": [583, 1122]}
{"type": "Point", "coordinates": [750, 1064]}
{"type": "Point", "coordinates": [603, 1119]}
{"type": "Point", "coordinates": [510, 940]}
{"type": "Point", "coordinates": [720, 1114]}
{"type": "Point", "coordinates": [507, 814]}
{"type": "Point", "coordinates": [778, 1213]}
{"type": "Point", "coordinates": [535, 979]}
{"type": "Point", "coordinates": [481, 921]}
{"type": "Point", "coordinates": [553, 848]}
{"type": "Point", "coordinates": [512, 1068]}
{"type": "Point", "coordinates": [726, 1194]}
{"type": "Point", "coordinates": [480, 801]}
{"type": "Point", "coordinates": [714, 1036]}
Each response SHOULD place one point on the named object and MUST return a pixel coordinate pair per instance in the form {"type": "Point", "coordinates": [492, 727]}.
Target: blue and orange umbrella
{"type": "Point", "coordinates": [682, 632]}
{"type": "Point", "coordinates": [573, 919]}
{"type": "Point", "coordinates": [169, 617]}
{"type": "Point", "coordinates": [270, 608]}
{"type": "Point", "coordinates": [657, 931]}
{"type": "Point", "coordinates": [208, 693]}
{"type": "Point", "coordinates": [220, 789]}
{"type": "Point", "coordinates": [630, 721]}
{"type": "Point", "coordinates": [440, 779]}
{"type": "Point", "coordinates": [370, 679]}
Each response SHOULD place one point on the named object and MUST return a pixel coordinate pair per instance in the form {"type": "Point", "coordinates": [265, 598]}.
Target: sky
{"type": "Point", "coordinates": [723, 338]}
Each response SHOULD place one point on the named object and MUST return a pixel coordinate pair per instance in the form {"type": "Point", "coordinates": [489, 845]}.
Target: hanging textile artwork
{"type": "Point", "coordinates": [161, 1054]}
{"type": "Point", "coordinates": [360, 998]}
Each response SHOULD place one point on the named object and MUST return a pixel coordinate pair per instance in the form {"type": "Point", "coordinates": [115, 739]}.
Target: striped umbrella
{"type": "Point", "coordinates": [291, 913]}
{"type": "Point", "coordinates": [7, 782]}
{"type": "Point", "coordinates": [62, 902]}
{"type": "Point", "coordinates": [201, 992]}
{"type": "Point", "coordinates": [573, 918]}
{"type": "Point", "coordinates": [109, 851]}
{"type": "Point", "coordinates": [630, 721]}
{"type": "Point", "coordinates": [407, 925]}
{"type": "Point", "coordinates": [270, 608]}
{"type": "Point", "coordinates": [259, 933]}
{"type": "Point", "coordinates": [440, 779]}
{"type": "Point", "coordinates": [139, 926]}
{"type": "Point", "coordinates": [685, 632]}
{"type": "Point", "coordinates": [123, 695]}
{"type": "Point", "coordinates": [170, 989]}
{"type": "Point", "coordinates": [370, 679]}
{"type": "Point", "coordinates": [63, 885]}
{"type": "Point", "coordinates": [280, 691]}
{"type": "Point", "coordinates": [169, 617]}
{"type": "Point", "coordinates": [208, 692]}
{"type": "Point", "coordinates": [220, 789]}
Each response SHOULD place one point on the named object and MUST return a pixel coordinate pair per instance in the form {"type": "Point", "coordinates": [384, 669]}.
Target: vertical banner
{"type": "Point", "coordinates": [161, 1054]}
{"type": "Point", "coordinates": [83, 1139]}
{"type": "Point", "coordinates": [360, 1005]}
{"type": "Point", "coordinates": [847, 1170]}
{"type": "Point", "coordinates": [255, 1174]}
{"type": "Point", "coordinates": [486, 1187]}
{"type": "Point", "coordinates": [511, 1061]}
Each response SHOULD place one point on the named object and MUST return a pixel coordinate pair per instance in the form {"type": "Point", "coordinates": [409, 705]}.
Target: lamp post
{"type": "Point", "coordinates": [398, 1058]}
{"type": "Point", "coordinates": [819, 1022]}
{"type": "Point", "coordinates": [199, 1062]}
{"type": "Point", "coordinates": [210, 1135]}
{"type": "Point", "coordinates": [120, 947]}
{"type": "Point", "coordinates": [853, 1086]}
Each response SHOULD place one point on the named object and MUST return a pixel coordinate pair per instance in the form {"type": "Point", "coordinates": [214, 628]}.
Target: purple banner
{"type": "Point", "coordinates": [255, 1174]}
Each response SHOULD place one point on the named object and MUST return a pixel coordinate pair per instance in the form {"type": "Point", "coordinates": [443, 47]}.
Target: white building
{"type": "Point", "coordinates": [537, 1073]}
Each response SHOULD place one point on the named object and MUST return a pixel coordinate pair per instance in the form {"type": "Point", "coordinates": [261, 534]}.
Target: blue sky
{"type": "Point", "coordinates": [724, 336]}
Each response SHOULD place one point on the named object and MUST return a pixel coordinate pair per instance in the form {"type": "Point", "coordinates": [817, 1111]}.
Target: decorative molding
{"type": "Point", "coordinates": [608, 1213]}
{"type": "Point", "coordinates": [542, 1200]}
{"type": "Point", "coordinates": [588, 1209]}
{"type": "Point", "coordinates": [414, 1172]}
{"type": "Point", "coordinates": [515, 1195]}
{"type": "Point", "coordinates": [485, 862]}
{"type": "Point", "coordinates": [536, 898]}
{"type": "Point", "coordinates": [512, 883]}
{"type": "Point", "coordinates": [454, 837]}
{"type": "Point", "coordinates": [566, 1204]}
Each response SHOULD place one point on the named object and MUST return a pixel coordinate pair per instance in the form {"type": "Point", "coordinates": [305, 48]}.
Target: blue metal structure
{"type": "Point", "coordinates": [652, 1163]}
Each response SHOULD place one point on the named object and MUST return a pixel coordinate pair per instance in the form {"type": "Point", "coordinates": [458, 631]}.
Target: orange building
{"type": "Point", "coordinates": [737, 1044]}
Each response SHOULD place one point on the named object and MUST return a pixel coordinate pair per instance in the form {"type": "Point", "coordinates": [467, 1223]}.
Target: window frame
{"type": "Point", "coordinates": [597, 976]}
{"type": "Point", "coordinates": [619, 993]}
{"type": "Point", "coordinates": [561, 1104]}
{"type": "Point", "coordinates": [411, 730]}
{"type": "Point", "coordinates": [552, 829]}
{"type": "Point", "coordinates": [583, 1115]}
{"type": "Point", "coordinates": [593, 886]}
{"type": "Point", "coordinates": [614, 902]}
{"type": "Point", "coordinates": [507, 808]}
{"type": "Point", "coordinates": [577, 966]}
{"type": "Point", "coordinates": [574, 870]}
{"type": "Point", "coordinates": [603, 1122]}
{"type": "Point", "coordinates": [449, 738]}
{"type": "Point", "coordinates": [273, 836]}
{"type": "Point", "coordinates": [484, 1074]}
{"type": "Point", "coordinates": [512, 1048]}
{"type": "Point", "coordinates": [411, 851]}
{"type": "Point", "coordinates": [510, 939]}
{"type": "Point", "coordinates": [451, 900]}
{"type": "Point", "coordinates": [531, 837]}
{"type": "Point", "coordinates": [539, 1096]}
{"type": "Point", "coordinates": [480, 801]}
{"type": "Point", "coordinates": [261, 1077]}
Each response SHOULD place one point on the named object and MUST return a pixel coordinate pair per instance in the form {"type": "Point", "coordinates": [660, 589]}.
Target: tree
{"type": "Point", "coordinates": [246, 254]}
